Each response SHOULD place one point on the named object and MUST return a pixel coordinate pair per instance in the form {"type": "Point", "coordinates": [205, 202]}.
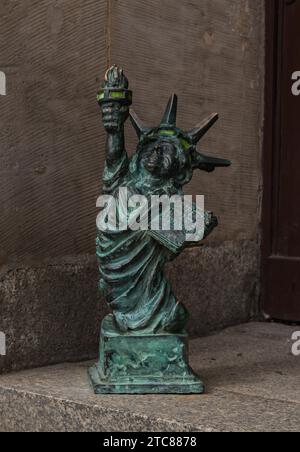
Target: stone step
{"type": "Point", "coordinates": [251, 376]}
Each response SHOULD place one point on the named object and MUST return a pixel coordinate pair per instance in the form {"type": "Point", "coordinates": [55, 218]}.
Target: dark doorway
{"type": "Point", "coordinates": [281, 205]}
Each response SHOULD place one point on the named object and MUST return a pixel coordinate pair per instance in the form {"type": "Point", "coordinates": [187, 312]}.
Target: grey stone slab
{"type": "Point", "coordinates": [50, 314]}
{"type": "Point", "coordinates": [245, 392]}
{"type": "Point", "coordinates": [251, 359]}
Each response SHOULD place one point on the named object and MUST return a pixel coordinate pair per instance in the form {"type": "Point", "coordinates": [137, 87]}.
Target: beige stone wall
{"type": "Point", "coordinates": [50, 132]}
{"type": "Point", "coordinates": [52, 142]}
{"type": "Point", "coordinates": [210, 53]}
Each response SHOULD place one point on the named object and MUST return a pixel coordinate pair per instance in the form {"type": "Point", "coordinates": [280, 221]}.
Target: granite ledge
{"type": "Point", "coordinates": [252, 386]}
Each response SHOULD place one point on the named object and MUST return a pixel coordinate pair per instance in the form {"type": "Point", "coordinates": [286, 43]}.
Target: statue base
{"type": "Point", "coordinates": [132, 363]}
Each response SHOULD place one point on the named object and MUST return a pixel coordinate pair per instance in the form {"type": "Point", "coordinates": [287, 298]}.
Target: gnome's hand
{"type": "Point", "coordinates": [114, 116]}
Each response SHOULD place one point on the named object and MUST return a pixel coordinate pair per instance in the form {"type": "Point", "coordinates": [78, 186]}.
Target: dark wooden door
{"type": "Point", "coordinates": [281, 206]}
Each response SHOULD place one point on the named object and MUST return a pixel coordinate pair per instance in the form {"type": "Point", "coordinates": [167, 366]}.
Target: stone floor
{"type": "Point", "coordinates": [251, 376]}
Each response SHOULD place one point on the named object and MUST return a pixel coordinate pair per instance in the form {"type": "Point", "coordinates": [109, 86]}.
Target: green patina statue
{"type": "Point", "coordinates": [143, 344]}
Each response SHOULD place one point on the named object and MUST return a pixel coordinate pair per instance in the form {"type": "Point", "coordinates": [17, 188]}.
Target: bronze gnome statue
{"type": "Point", "coordinates": [143, 344]}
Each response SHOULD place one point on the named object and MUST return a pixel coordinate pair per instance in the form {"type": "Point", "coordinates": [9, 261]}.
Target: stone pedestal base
{"type": "Point", "coordinates": [143, 364]}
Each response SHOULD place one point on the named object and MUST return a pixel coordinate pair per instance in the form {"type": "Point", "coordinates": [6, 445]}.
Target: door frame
{"type": "Point", "coordinates": [273, 14]}
{"type": "Point", "coordinates": [271, 143]}
{"type": "Point", "coordinates": [274, 43]}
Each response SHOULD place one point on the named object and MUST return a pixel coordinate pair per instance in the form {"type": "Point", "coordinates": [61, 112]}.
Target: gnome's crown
{"type": "Point", "coordinates": [168, 127]}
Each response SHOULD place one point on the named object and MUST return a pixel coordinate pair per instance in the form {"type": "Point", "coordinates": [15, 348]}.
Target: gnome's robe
{"type": "Point", "coordinates": [131, 265]}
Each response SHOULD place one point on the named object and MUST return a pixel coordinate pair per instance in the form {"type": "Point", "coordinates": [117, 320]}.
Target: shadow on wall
{"type": "Point", "coordinates": [2, 84]}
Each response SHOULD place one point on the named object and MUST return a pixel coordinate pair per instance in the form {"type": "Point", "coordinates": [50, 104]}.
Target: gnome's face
{"type": "Point", "coordinates": [163, 158]}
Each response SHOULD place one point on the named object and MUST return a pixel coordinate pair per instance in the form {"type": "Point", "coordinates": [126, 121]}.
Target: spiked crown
{"type": "Point", "coordinates": [168, 124]}
{"type": "Point", "coordinates": [189, 139]}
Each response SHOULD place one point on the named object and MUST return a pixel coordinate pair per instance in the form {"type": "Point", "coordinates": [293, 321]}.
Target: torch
{"type": "Point", "coordinates": [115, 88]}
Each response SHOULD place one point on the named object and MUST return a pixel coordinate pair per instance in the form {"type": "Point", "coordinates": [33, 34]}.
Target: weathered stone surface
{"type": "Point", "coordinates": [50, 314]}
{"type": "Point", "coordinates": [253, 359]}
{"type": "Point", "coordinates": [218, 284]}
{"type": "Point", "coordinates": [252, 385]}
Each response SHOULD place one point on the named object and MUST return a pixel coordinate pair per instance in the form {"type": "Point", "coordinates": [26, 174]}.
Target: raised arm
{"type": "Point", "coordinates": [115, 99]}
{"type": "Point", "coordinates": [114, 117]}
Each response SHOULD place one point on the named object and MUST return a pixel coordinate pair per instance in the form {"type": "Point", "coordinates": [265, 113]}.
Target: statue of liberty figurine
{"type": "Point", "coordinates": [143, 344]}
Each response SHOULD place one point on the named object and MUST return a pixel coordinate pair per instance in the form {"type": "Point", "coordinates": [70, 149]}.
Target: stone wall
{"type": "Point", "coordinates": [54, 54]}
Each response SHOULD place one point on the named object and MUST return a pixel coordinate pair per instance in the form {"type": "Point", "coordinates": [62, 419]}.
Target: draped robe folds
{"type": "Point", "coordinates": [131, 265]}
